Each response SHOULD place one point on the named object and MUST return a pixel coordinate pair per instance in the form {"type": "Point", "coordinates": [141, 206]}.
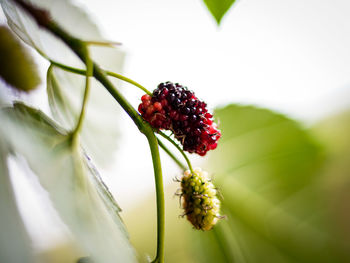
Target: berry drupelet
{"type": "Point", "coordinates": [174, 107]}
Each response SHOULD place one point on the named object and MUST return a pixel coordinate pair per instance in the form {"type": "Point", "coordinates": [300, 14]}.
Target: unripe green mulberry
{"type": "Point", "coordinates": [202, 207]}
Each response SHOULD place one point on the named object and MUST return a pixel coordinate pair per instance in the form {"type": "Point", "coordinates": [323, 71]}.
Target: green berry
{"type": "Point", "coordinates": [200, 202]}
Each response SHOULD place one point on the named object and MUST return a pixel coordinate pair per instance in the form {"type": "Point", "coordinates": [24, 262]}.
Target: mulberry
{"type": "Point", "coordinates": [174, 107]}
{"type": "Point", "coordinates": [200, 203]}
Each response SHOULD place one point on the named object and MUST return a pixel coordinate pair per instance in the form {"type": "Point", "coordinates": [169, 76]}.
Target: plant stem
{"type": "Point", "coordinates": [67, 68]}
{"type": "Point", "coordinates": [178, 148]}
{"type": "Point", "coordinates": [103, 43]}
{"type": "Point", "coordinates": [153, 143]}
{"type": "Point", "coordinates": [109, 73]}
{"type": "Point", "coordinates": [89, 69]}
{"type": "Point", "coordinates": [79, 47]}
{"type": "Point", "coordinates": [121, 77]}
{"type": "Point", "coordinates": [175, 159]}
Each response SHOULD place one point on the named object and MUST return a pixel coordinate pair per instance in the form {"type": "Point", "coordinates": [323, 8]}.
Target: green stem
{"type": "Point", "coordinates": [102, 43]}
{"type": "Point", "coordinates": [48, 73]}
{"type": "Point", "coordinates": [153, 143]}
{"type": "Point", "coordinates": [172, 156]}
{"type": "Point", "coordinates": [144, 127]}
{"type": "Point", "coordinates": [121, 77]}
{"type": "Point", "coordinates": [79, 48]}
{"type": "Point", "coordinates": [109, 73]}
{"type": "Point", "coordinates": [178, 148]}
{"type": "Point", "coordinates": [67, 68]}
{"type": "Point", "coordinates": [89, 69]}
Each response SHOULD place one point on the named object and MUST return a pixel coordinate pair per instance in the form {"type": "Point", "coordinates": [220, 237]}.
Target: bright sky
{"type": "Point", "coordinates": [291, 55]}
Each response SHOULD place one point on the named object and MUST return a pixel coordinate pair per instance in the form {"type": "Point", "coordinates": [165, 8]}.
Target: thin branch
{"type": "Point", "coordinates": [103, 43]}
{"type": "Point", "coordinates": [172, 156]}
{"type": "Point", "coordinates": [89, 69]}
{"type": "Point", "coordinates": [178, 148]}
{"type": "Point", "coordinates": [109, 73]}
{"type": "Point", "coordinates": [118, 76]}
{"type": "Point", "coordinates": [153, 143]}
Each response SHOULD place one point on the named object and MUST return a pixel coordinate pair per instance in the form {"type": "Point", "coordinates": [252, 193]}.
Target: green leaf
{"type": "Point", "coordinates": [218, 8]}
{"type": "Point", "coordinates": [275, 196]}
{"type": "Point", "coordinates": [14, 240]}
{"type": "Point", "coordinates": [17, 67]}
{"type": "Point", "coordinates": [267, 169]}
{"type": "Point", "coordinates": [65, 90]}
{"type": "Point", "coordinates": [260, 146]}
{"type": "Point", "coordinates": [75, 189]}
{"type": "Point", "coordinates": [72, 18]}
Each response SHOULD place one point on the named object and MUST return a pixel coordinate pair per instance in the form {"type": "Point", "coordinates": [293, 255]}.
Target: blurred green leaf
{"type": "Point", "coordinates": [266, 168]}
{"type": "Point", "coordinates": [65, 90]}
{"type": "Point", "coordinates": [334, 131]}
{"type": "Point", "coordinates": [89, 211]}
{"type": "Point", "coordinates": [14, 241]}
{"type": "Point", "coordinates": [17, 67]}
{"type": "Point", "coordinates": [264, 150]}
{"type": "Point", "coordinates": [269, 172]}
{"type": "Point", "coordinates": [218, 8]}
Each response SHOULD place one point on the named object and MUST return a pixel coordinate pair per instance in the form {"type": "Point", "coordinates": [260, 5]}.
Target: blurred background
{"type": "Point", "coordinates": [285, 183]}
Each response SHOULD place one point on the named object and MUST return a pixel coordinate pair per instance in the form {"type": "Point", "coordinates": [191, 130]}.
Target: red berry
{"type": "Point", "coordinates": [157, 106]}
{"type": "Point", "coordinates": [150, 110]}
{"type": "Point", "coordinates": [183, 117]}
{"type": "Point", "coordinates": [173, 106]}
{"type": "Point", "coordinates": [141, 108]}
{"type": "Point", "coordinates": [146, 103]}
{"type": "Point", "coordinates": [172, 114]}
{"type": "Point", "coordinates": [146, 97]}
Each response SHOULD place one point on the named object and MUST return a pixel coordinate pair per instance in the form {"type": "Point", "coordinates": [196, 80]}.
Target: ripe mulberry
{"type": "Point", "coordinates": [200, 203]}
{"type": "Point", "coordinates": [174, 107]}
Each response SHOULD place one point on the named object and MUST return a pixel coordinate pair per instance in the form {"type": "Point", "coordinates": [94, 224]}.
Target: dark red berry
{"type": "Point", "coordinates": [174, 107]}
